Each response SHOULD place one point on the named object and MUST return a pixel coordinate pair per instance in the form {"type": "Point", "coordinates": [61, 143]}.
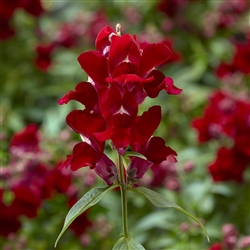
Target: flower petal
{"type": "Point", "coordinates": [85, 122]}
{"type": "Point", "coordinates": [170, 87]}
{"type": "Point", "coordinates": [84, 93]}
{"type": "Point", "coordinates": [148, 123]}
{"type": "Point", "coordinates": [156, 151]}
{"type": "Point", "coordinates": [95, 65]}
{"type": "Point", "coordinates": [83, 155]}
{"type": "Point", "coordinates": [102, 40]}
{"type": "Point", "coordinates": [152, 56]}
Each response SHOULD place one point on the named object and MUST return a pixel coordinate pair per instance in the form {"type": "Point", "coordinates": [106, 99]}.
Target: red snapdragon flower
{"type": "Point", "coordinates": [229, 165]}
{"type": "Point", "coordinates": [121, 74]}
{"type": "Point", "coordinates": [43, 59]}
{"type": "Point", "coordinates": [8, 218]}
{"type": "Point", "coordinates": [239, 63]}
{"type": "Point", "coordinates": [227, 116]}
{"type": "Point", "coordinates": [26, 140]}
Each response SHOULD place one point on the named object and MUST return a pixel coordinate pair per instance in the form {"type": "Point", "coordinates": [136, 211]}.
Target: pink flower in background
{"type": "Point", "coordinates": [231, 240]}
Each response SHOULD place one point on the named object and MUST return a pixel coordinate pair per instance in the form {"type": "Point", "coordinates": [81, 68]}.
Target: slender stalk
{"type": "Point", "coordinates": [123, 198]}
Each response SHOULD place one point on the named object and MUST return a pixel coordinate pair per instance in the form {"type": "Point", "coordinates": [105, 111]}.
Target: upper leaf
{"type": "Point", "coordinates": [160, 201]}
{"type": "Point", "coordinates": [88, 200]}
{"type": "Point", "coordinates": [127, 244]}
{"type": "Point", "coordinates": [134, 154]}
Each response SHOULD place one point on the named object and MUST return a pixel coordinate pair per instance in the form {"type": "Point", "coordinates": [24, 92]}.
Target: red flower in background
{"type": "Point", "coordinates": [240, 61]}
{"type": "Point", "coordinates": [8, 218]}
{"type": "Point", "coordinates": [229, 165]}
{"type": "Point", "coordinates": [227, 116]}
{"type": "Point", "coordinates": [26, 140]}
{"type": "Point", "coordinates": [121, 74]}
{"type": "Point", "coordinates": [216, 246]}
{"type": "Point", "coordinates": [7, 9]}
{"type": "Point", "coordinates": [29, 181]}
{"type": "Point", "coordinates": [172, 7]}
{"type": "Point", "coordinates": [43, 59]}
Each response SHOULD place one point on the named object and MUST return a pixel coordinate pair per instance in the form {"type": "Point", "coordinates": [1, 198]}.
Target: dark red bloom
{"type": "Point", "coordinates": [26, 140]}
{"type": "Point", "coordinates": [7, 9]}
{"type": "Point", "coordinates": [43, 60]}
{"type": "Point", "coordinates": [33, 7]}
{"type": "Point", "coordinates": [27, 199]}
{"type": "Point", "coordinates": [56, 181]}
{"type": "Point", "coordinates": [218, 119]}
{"type": "Point", "coordinates": [121, 74]}
{"type": "Point", "coordinates": [172, 7]}
{"type": "Point", "coordinates": [8, 218]}
{"type": "Point", "coordinates": [6, 30]}
{"type": "Point", "coordinates": [229, 165]}
{"type": "Point", "coordinates": [240, 61]}
{"type": "Point", "coordinates": [216, 246]}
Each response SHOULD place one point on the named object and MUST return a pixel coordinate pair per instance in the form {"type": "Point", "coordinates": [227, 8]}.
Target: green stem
{"type": "Point", "coordinates": [123, 188]}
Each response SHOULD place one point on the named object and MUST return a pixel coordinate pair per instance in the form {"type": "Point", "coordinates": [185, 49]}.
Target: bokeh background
{"type": "Point", "coordinates": [208, 124]}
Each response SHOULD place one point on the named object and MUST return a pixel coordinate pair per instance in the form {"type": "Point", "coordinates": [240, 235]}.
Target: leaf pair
{"type": "Point", "coordinates": [95, 195]}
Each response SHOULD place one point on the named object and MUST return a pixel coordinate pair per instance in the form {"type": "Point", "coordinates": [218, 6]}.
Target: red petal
{"type": "Point", "coordinates": [83, 155]}
{"type": "Point", "coordinates": [148, 122]}
{"type": "Point", "coordinates": [102, 40]}
{"type": "Point", "coordinates": [86, 123]}
{"type": "Point", "coordinates": [156, 85]}
{"type": "Point", "coordinates": [154, 55]}
{"type": "Point", "coordinates": [119, 50]}
{"type": "Point", "coordinates": [156, 151]}
{"type": "Point", "coordinates": [109, 100]}
{"type": "Point", "coordinates": [125, 68]}
{"type": "Point", "coordinates": [171, 88]}
{"type": "Point", "coordinates": [84, 93]}
{"type": "Point", "coordinates": [95, 65]}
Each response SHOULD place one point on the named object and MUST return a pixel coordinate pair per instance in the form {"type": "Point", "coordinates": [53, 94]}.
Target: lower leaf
{"type": "Point", "coordinates": [127, 244]}
{"type": "Point", "coordinates": [160, 201]}
{"type": "Point", "coordinates": [88, 200]}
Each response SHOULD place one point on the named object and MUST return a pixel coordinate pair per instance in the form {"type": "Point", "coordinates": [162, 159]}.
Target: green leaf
{"type": "Point", "coordinates": [127, 244]}
{"type": "Point", "coordinates": [135, 154]}
{"type": "Point", "coordinates": [88, 200]}
{"type": "Point", "coordinates": [160, 201]}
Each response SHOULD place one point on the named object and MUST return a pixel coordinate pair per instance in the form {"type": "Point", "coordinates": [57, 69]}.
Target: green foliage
{"type": "Point", "coordinates": [127, 244]}
{"type": "Point", "coordinates": [88, 200]}
{"type": "Point", "coordinates": [160, 201]}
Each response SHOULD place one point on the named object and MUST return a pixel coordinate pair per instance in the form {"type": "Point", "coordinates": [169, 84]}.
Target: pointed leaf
{"type": "Point", "coordinates": [134, 154]}
{"type": "Point", "coordinates": [88, 200]}
{"type": "Point", "coordinates": [127, 244]}
{"type": "Point", "coordinates": [160, 201]}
